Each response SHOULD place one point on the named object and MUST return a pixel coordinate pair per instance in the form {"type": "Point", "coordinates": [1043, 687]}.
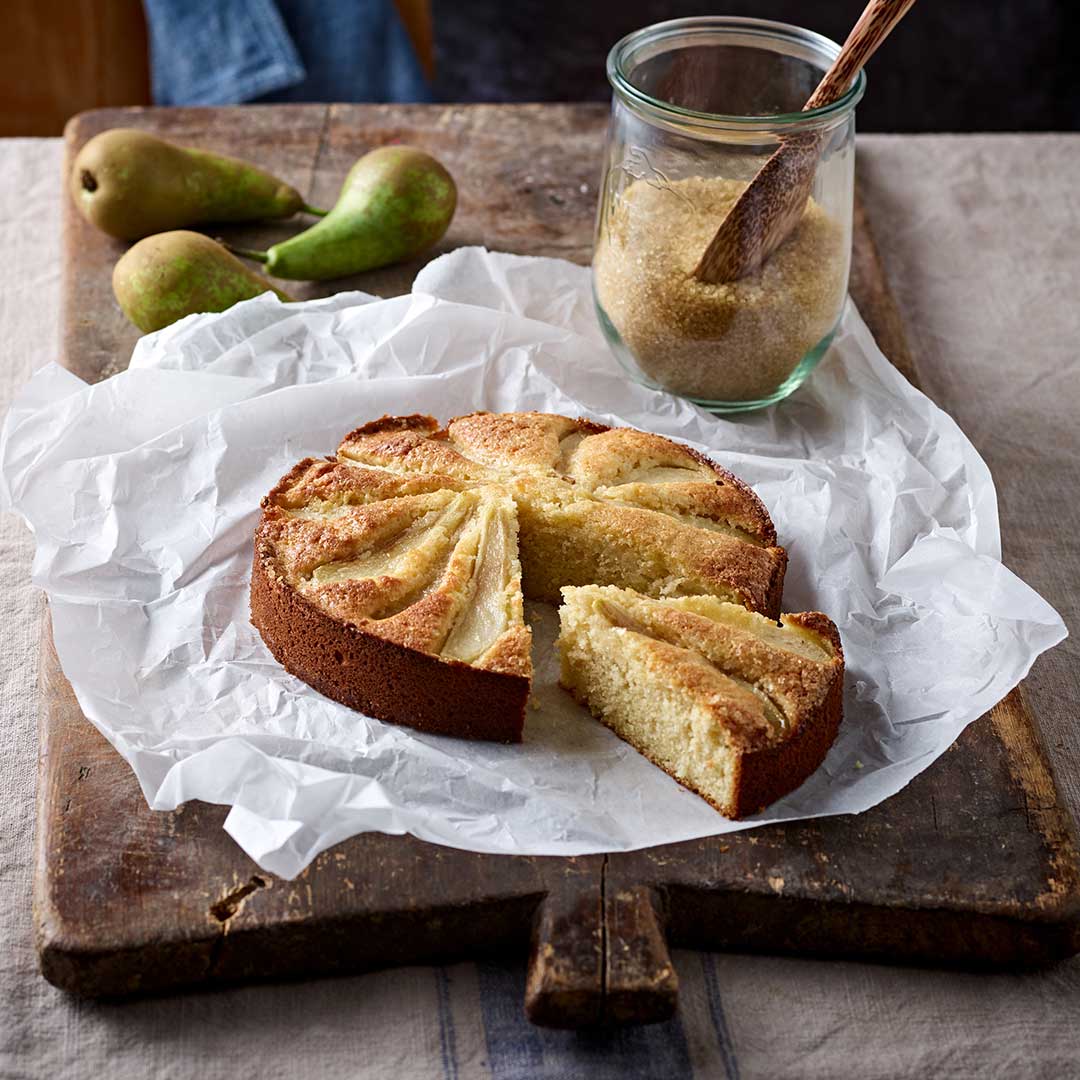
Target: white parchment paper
{"type": "Point", "coordinates": [143, 494]}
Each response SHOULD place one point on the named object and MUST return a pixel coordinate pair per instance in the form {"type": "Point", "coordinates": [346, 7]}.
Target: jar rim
{"type": "Point", "coordinates": [760, 28]}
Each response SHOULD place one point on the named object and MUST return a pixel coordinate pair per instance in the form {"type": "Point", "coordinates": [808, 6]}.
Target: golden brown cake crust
{"type": "Point", "coordinates": [773, 772]}
{"type": "Point", "coordinates": [768, 773]}
{"type": "Point", "coordinates": [379, 677]}
{"type": "Point", "coordinates": [324, 478]}
{"type": "Point", "coordinates": [535, 438]}
{"type": "Point", "coordinates": [652, 481]}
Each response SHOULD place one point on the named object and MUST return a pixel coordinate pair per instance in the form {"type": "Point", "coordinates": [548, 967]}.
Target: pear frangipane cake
{"type": "Point", "coordinates": [391, 576]}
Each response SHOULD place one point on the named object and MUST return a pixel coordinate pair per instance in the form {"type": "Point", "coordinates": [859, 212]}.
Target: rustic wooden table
{"type": "Point", "coordinates": [919, 878]}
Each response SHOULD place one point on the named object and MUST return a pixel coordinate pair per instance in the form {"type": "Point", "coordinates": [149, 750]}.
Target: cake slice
{"type": "Point", "coordinates": [399, 596]}
{"type": "Point", "coordinates": [734, 706]}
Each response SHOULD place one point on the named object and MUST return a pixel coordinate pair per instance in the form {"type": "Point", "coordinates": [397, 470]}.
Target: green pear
{"type": "Point", "coordinates": [395, 202]}
{"type": "Point", "coordinates": [132, 184]}
{"type": "Point", "coordinates": [173, 274]}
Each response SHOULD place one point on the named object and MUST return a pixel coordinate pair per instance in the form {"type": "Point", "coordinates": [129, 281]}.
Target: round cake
{"type": "Point", "coordinates": [391, 576]}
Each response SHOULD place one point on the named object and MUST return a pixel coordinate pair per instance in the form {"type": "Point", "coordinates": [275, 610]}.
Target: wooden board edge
{"type": "Point", "coordinates": [937, 938]}
{"type": "Point", "coordinates": [1012, 720]}
{"type": "Point", "coordinates": [49, 932]}
{"type": "Point", "coordinates": [880, 313]}
{"type": "Point", "coordinates": [42, 912]}
{"type": "Point", "coordinates": [66, 952]}
{"type": "Point", "coordinates": [1033, 775]}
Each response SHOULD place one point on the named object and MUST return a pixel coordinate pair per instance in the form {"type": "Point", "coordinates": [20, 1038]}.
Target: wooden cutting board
{"type": "Point", "coordinates": [974, 863]}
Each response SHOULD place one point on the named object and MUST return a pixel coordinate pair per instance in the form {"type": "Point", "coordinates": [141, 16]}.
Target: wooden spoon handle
{"type": "Point", "coordinates": [874, 26]}
{"type": "Point", "coordinates": [773, 203]}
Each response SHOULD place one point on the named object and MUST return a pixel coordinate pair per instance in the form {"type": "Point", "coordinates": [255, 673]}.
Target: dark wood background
{"type": "Point", "coordinates": [1019, 69]}
{"type": "Point", "coordinates": [974, 863]}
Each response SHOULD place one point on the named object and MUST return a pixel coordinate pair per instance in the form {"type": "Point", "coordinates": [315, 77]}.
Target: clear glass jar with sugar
{"type": "Point", "coordinates": [699, 106]}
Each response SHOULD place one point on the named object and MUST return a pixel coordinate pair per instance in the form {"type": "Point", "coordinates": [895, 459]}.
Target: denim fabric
{"type": "Point", "coordinates": [357, 50]}
{"type": "Point", "coordinates": [221, 52]}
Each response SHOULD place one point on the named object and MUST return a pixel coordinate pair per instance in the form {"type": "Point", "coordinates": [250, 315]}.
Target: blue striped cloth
{"type": "Point", "coordinates": [695, 1043]}
{"type": "Point", "coordinates": [223, 52]}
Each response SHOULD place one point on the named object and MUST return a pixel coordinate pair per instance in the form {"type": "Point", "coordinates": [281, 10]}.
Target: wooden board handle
{"type": "Point", "coordinates": [642, 987]}
{"type": "Point", "coordinates": [600, 961]}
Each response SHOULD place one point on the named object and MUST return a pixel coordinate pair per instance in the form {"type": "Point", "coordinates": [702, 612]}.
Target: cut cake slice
{"type": "Point", "coordinates": [734, 706]}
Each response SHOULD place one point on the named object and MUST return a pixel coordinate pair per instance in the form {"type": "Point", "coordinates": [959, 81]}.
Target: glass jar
{"type": "Point", "coordinates": [699, 106]}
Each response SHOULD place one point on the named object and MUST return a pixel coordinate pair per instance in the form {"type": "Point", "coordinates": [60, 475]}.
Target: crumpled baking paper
{"type": "Point", "coordinates": [143, 494]}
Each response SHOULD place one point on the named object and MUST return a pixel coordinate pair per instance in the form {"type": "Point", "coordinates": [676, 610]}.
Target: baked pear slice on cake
{"type": "Point", "coordinates": [598, 505]}
{"type": "Point", "coordinates": [399, 596]}
{"type": "Point", "coordinates": [736, 707]}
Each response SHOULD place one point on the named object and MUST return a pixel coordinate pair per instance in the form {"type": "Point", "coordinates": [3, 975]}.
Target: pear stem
{"type": "Point", "coordinates": [245, 253]}
{"type": "Point", "coordinates": [314, 210]}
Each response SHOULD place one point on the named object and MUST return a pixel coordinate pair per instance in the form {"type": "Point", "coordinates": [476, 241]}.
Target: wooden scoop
{"type": "Point", "coordinates": [774, 202]}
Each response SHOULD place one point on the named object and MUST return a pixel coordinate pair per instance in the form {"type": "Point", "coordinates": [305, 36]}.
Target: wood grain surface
{"type": "Point", "coordinates": [974, 863]}
{"type": "Point", "coordinates": [63, 56]}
